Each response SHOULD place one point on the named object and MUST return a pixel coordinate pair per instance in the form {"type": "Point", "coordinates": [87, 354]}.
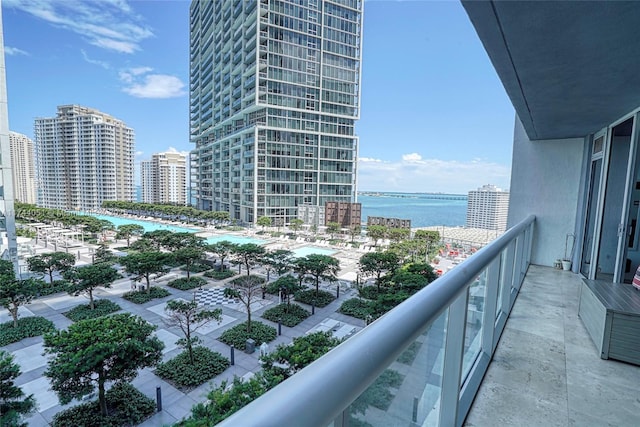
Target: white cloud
{"type": "Point", "coordinates": [139, 153]}
{"type": "Point", "coordinates": [413, 157]}
{"type": "Point", "coordinates": [173, 150]}
{"type": "Point", "coordinates": [15, 51]}
{"type": "Point", "coordinates": [369, 160]}
{"type": "Point", "coordinates": [109, 24]}
{"type": "Point", "coordinates": [117, 45]}
{"type": "Point", "coordinates": [99, 63]}
{"type": "Point", "coordinates": [141, 84]}
{"type": "Point", "coordinates": [416, 174]}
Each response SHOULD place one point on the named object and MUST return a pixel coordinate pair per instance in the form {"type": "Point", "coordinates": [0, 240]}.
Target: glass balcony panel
{"type": "Point", "coordinates": [502, 280]}
{"type": "Point", "coordinates": [408, 391]}
{"type": "Point", "coordinates": [473, 329]}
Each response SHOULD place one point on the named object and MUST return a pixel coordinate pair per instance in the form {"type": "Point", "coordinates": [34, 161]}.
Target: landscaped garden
{"type": "Point", "coordinates": [153, 255]}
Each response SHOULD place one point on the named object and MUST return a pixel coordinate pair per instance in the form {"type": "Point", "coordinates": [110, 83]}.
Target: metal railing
{"type": "Point", "coordinates": [443, 338]}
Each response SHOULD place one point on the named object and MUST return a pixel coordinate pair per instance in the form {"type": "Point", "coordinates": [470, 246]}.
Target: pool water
{"type": "Point", "coordinates": [147, 225]}
{"type": "Point", "coordinates": [308, 250]}
{"type": "Point", "coordinates": [239, 240]}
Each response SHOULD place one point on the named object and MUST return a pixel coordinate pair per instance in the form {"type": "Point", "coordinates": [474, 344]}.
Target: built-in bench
{"type": "Point", "coordinates": [611, 314]}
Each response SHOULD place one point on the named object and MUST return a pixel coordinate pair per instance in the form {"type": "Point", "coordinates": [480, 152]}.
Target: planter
{"type": "Point", "coordinates": [566, 265]}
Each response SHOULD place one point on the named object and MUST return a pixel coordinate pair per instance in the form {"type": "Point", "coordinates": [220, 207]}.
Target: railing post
{"type": "Point", "coordinates": [453, 354]}
{"type": "Point", "coordinates": [509, 264]}
{"type": "Point", "coordinates": [490, 305]}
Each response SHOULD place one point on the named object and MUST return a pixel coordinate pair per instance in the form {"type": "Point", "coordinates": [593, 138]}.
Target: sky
{"type": "Point", "coordinates": [434, 116]}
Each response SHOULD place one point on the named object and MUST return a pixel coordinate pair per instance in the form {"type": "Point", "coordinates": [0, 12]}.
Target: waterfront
{"type": "Point", "coordinates": [424, 210]}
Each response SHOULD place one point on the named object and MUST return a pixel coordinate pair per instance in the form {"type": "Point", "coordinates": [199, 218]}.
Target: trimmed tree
{"type": "Point", "coordinates": [93, 352]}
{"type": "Point", "coordinates": [188, 256]}
{"type": "Point", "coordinates": [187, 316]}
{"type": "Point", "coordinates": [398, 234]}
{"type": "Point", "coordinates": [50, 262]}
{"type": "Point", "coordinates": [286, 285]}
{"type": "Point", "coordinates": [14, 292]}
{"type": "Point", "coordinates": [264, 221]}
{"type": "Point", "coordinates": [13, 402]}
{"type": "Point", "coordinates": [144, 264]}
{"type": "Point", "coordinates": [333, 228]}
{"type": "Point", "coordinates": [377, 264]}
{"type": "Point", "coordinates": [125, 231]}
{"type": "Point", "coordinates": [280, 261]}
{"type": "Point", "coordinates": [103, 255]}
{"type": "Point", "coordinates": [87, 278]}
{"type": "Point", "coordinates": [354, 231]}
{"type": "Point", "coordinates": [295, 225]}
{"type": "Point", "coordinates": [175, 241]}
{"type": "Point", "coordinates": [376, 232]}
{"type": "Point", "coordinates": [222, 250]}
{"type": "Point", "coordinates": [321, 267]}
{"type": "Point", "coordinates": [157, 238]}
{"type": "Point", "coordinates": [249, 254]}
{"type": "Point", "coordinates": [247, 289]}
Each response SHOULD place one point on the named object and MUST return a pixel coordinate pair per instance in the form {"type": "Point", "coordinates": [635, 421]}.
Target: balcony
{"type": "Point", "coordinates": [546, 350]}
{"type": "Point", "coordinates": [545, 371]}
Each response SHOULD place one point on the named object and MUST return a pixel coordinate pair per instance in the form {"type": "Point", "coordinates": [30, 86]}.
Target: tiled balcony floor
{"type": "Point", "coordinates": [546, 370]}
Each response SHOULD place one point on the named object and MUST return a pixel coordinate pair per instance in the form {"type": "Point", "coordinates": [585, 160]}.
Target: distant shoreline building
{"type": "Point", "coordinates": [83, 157]}
{"type": "Point", "coordinates": [487, 208]}
{"type": "Point", "coordinates": [163, 178]}
{"type": "Point", "coordinates": [274, 96]}
{"type": "Point", "coordinates": [23, 166]}
{"type": "Point", "coordinates": [346, 214]}
{"type": "Point", "coordinates": [389, 222]}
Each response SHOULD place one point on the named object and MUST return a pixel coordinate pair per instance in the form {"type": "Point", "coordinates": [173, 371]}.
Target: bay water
{"type": "Point", "coordinates": [422, 209]}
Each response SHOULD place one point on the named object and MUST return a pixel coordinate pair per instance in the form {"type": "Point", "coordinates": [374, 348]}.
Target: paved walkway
{"type": "Point", "coordinates": [176, 404]}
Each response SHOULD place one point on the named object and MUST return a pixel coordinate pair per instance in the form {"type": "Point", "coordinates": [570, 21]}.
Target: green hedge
{"type": "Point", "coordinates": [308, 296]}
{"type": "Point", "coordinates": [197, 268]}
{"type": "Point", "coordinates": [238, 335]}
{"type": "Point", "coordinates": [126, 406]}
{"type": "Point", "coordinates": [379, 394]}
{"type": "Point", "coordinates": [356, 307]}
{"type": "Point", "coordinates": [185, 284]}
{"type": "Point", "coordinates": [84, 312]}
{"type": "Point", "coordinates": [183, 374]}
{"type": "Point", "coordinates": [27, 327]}
{"type": "Point", "coordinates": [219, 275]}
{"type": "Point", "coordinates": [409, 355]}
{"type": "Point", "coordinates": [140, 297]}
{"type": "Point", "coordinates": [290, 315]}
{"type": "Point", "coordinates": [53, 288]}
{"type": "Point", "coordinates": [370, 292]}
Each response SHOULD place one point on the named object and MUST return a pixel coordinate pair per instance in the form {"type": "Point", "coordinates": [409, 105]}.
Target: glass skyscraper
{"type": "Point", "coordinates": [274, 96]}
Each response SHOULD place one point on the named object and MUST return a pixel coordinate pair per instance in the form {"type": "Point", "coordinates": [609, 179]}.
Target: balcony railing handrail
{"type": "Point", "coordinates": [318, 394]}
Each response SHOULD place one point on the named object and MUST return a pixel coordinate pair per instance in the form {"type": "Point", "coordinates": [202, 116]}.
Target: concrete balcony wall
{"type": "Point", "coordinates": [546, 182]}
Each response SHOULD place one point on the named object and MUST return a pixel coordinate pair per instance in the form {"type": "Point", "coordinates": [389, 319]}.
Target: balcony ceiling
{"type": "Point", "coordinates": [569, 67]}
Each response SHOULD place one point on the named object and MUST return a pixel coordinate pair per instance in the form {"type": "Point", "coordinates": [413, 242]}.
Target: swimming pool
{"type": "Point", "coordinates": [147, 225]}
{"type": "Point", "coordinates": [308, 250]}
{"type": "Point", "coordinates": [239, 240]}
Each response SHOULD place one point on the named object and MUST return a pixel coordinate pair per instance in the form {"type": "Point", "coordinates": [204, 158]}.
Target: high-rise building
{"type": "Point", "coordinates": [487, 208]}
{"type": "Point", "coordinates": [275, 93]}
{"type": "Point", "coordinates": [24, 173]}
{"type": "Point", "coordinates": [8, 244]}
{"type": "Point", "coordinates": [83, 157]}
{"type": "Point", "coordinates": [164, 178]}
